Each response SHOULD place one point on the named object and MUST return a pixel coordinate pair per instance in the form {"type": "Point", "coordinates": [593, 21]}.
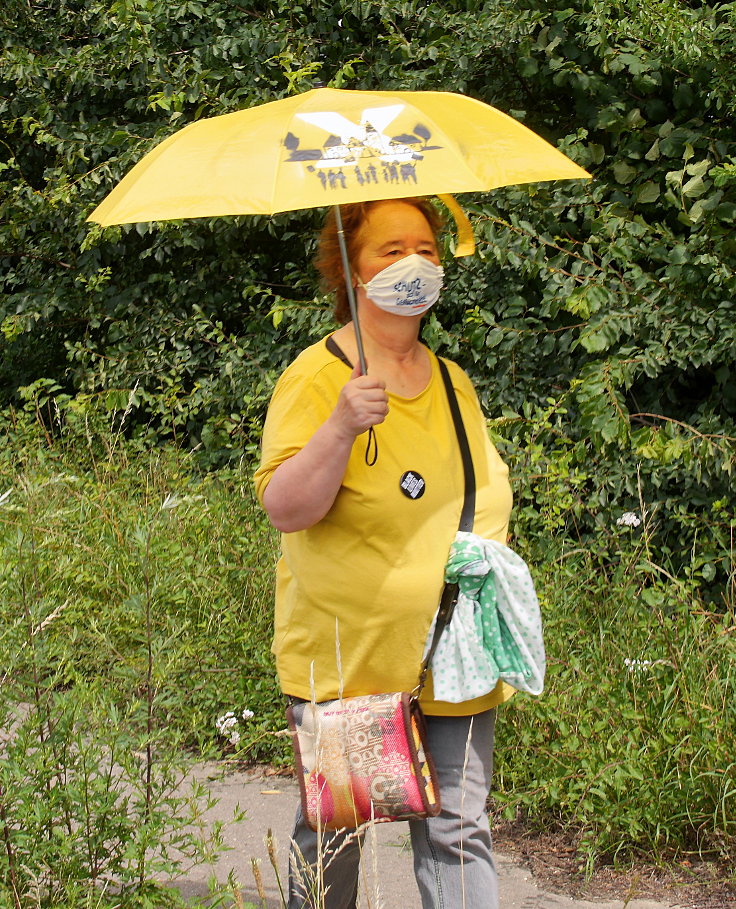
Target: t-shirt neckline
{"type": "Point", "coordinates": [334, 348]}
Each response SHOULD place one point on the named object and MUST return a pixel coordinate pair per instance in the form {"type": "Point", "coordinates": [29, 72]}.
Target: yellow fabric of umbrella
{"type": "Point", "coordinates": [328, 147]}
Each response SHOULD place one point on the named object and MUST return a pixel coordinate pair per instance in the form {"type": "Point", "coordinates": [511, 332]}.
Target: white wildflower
{"type": "Point", "coordinates": [227, 725]}
{"type": "Point", "coordinates": [629, 519]}
{"type": "Point", "coordinates": [226, 722]}
{"type": "Point", "coordinates": [637, 665]}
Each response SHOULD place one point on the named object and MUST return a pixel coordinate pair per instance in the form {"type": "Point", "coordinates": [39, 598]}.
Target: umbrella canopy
{"type": "Point", "coordinates": [328, 147]}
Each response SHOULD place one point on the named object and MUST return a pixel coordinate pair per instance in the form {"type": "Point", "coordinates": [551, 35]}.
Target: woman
{"type": "Point", "coordinates": [364, 544]}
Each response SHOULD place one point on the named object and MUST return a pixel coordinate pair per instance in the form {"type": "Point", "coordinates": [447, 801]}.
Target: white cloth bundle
{"type": "Point", "coordinates": [496, 629]}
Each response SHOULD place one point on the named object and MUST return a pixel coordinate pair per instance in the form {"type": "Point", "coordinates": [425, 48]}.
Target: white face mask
{"type": "Point", "coordinates": [407, 287]}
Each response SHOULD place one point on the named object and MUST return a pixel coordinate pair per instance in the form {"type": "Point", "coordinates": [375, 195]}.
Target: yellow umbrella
{"type": "Point", "coordinates": [329, 147]}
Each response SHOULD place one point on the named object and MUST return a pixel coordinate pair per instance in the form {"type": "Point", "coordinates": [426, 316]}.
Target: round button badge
{"type": "Point", "coordinates": [412, 484]}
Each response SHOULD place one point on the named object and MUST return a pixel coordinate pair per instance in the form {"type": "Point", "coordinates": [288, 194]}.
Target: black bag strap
{"type": "Point", "coordinates": [337, 351]}
{"type": "Point", "coordinates": [467, 517]}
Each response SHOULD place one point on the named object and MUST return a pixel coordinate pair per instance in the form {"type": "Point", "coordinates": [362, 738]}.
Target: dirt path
{"type": "Point", "coordinates": [526, 882]}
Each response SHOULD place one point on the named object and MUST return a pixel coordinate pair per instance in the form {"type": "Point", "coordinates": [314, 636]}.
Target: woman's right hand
{"type": "Point", "coordinates": [362, 403]}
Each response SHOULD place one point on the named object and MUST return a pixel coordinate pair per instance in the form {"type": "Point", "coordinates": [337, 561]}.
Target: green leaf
{"type": "Point", "coordinates": [647, 193]}
{"type": "Point", "coordinates": [527, 66]}
{"type": "Point", "coordinates": [634, 119]}
{"type": "Point", "coordinates": [623, 172]}
{"type": "Point", "coordinates": [694, 187]}
{"type": "Point", "coordinates": [653, 153]}
{"type": "Point", "coordinates": [597, 153]}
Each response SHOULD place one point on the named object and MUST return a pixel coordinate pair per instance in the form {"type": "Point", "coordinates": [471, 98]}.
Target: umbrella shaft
{"type": "Point", "coordinates": [349, 289]}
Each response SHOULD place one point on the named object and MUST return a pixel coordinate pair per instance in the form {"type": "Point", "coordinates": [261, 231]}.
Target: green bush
{"type": "Point", "coordinates": [630, 748]}
{"type": "Point", "coordinates": [613, 299]}
{"type": "Point", "coordinates": [90, 810]}
{"type": "Point", "coordinates": [631, 745]}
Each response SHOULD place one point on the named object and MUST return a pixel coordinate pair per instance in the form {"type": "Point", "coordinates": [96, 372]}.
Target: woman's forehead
{"type": "Point", "coordinates": [393, 220]}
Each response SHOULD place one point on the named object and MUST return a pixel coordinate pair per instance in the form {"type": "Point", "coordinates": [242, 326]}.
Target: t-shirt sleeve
{"type": "Point", "coordinates": [299, 406]}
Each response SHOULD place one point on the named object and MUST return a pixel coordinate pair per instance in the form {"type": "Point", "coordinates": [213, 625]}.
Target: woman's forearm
{"type": "Point", "coordinates": [303, 489]}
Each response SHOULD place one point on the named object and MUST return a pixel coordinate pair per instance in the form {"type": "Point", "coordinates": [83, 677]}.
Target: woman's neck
{"type": "Point", "coordinates": [392, 350]}
{"type": "Point", "coordinates": [390, 336]}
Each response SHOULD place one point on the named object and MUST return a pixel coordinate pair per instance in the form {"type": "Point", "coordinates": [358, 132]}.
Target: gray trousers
{"type": "Point", "coordinates": [453, 858]}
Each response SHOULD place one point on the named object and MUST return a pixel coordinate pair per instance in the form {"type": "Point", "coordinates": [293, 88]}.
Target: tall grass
{"type": "Point", "coordinates": [115, 548]}
{"type": "Point", "coordinates": [134, 610]}
{"type": "Point", "coordinates": [135, 626]}
{"type": "Point", "coordinates": [631, 746]}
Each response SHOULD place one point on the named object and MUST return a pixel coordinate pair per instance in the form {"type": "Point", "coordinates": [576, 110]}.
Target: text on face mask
{"type": "Point", "coordinates": [412, 289]}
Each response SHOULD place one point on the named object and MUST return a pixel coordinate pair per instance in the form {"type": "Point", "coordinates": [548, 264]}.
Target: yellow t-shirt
{"type": "Point", "coordinates": [356, 593]}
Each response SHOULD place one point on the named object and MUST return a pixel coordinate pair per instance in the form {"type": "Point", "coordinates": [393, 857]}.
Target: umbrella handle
{"type": "Point", "coordinates": [351, 293]}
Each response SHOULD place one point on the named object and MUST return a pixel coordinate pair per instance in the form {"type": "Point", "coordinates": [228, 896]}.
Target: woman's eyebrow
{"type": "Point", "coordinates": [400, 242]}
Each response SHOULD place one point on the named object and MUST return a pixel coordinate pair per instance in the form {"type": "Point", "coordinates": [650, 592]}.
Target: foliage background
{"type": "Point", "coordinates": [610, 305]}
{"type": "Point", "coordinates": [597, 320]}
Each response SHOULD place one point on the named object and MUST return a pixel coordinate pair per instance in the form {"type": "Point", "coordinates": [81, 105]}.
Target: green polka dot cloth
{"type": "Point", "coordinates": [496, 629]}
